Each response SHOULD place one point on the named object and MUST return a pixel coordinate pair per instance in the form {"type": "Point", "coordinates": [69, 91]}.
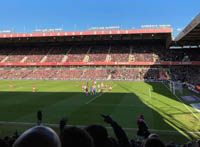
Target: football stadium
{"type": "Point", "coordinates": [129, 83]}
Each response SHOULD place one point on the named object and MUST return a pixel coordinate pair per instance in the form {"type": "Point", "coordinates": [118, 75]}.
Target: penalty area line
{"type": "Point", "coordinates": [93, 98]}
{"type": "Point", "coordinates": [96, 97]}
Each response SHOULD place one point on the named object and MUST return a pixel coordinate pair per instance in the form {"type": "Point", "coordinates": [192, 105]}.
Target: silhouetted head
{"type": "Point", "coordinates": [140, 116]}
{"type": "Point", "coordinates": [198, 141]}
{"type": "Point", "coordinates": [2, 143]}
{"type": "Point", "coordinates": [112, 142]}
{"type": "Point", "coordinates": [153, 142]}
{"type": "Point", "coordinates": [153, 135]}
{"type": "Point", "coordinates": [189, 144]}
{"type": "Point", "coordinates": [39, 136]}
{"type": "Point", "coordinates": [75, 137]}
{"type": "Point", "coordinates": [98, 133]}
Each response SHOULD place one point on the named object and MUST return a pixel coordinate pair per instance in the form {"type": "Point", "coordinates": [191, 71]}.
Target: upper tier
{"type": "Point", "coordinates": [97, 55]}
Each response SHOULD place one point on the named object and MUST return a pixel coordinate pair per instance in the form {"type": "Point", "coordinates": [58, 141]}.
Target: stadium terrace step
{"type": "Point", "coordinates": [109, 76]}
{"type": "Point", "coordinates": [108, 58]}
{"type": "Point", "coordinates": [131, 49]}
{"type": "Point", "coordinates": [89, 50]}
{"type": "Point", "coordinates": [43, 59]}
{"type": "Point", "coordinates": [86, 58]}
{"type": "Point", "coordinates": [131, 58]}
{"type": "Point", "coordinates": [83, 73]}
{"type": "Point", "coordinates": [4, 59]}
{"type": "Point", "coordinates": [155, 57]}
{"type": "Point", "coordinates": [65, 58]}
{"type": "Point", "coordinates": [24, 59]}
{"type": "Point", "coordinates": [69, 50]}
{"type": "Point", "coordinates": [109, 49]}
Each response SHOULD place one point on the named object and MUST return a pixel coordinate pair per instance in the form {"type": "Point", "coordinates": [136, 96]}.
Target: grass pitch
{"type": "Point", "coordinates": [165, 113]}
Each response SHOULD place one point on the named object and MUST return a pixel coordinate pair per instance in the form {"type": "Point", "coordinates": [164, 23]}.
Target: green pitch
{"type": "Point", "coordinates": [165, 113]}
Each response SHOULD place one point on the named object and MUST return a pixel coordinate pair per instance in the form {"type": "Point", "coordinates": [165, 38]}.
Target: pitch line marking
{"type": "Point", "coordinates": [183, 103]}
{"type": "Point", "coordinates": [125, 105]}
{"type": "Point", "coordinates": [82, 126]}
{"type": "Point", "coordinates": [93, 98]}
{"type": "Point", "coordinates": [96, 97]}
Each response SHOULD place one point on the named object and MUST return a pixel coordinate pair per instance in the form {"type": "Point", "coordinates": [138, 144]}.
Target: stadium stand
{"type": "Point", "coordinates": [56, 54]}
{"type": "Point", "coordinates": [135, 74]}
{"type": "Point", "coordinates": [36, 54]}
{"type": "Point", "coordinates": [97, 53]}
{"type": "Point", "coordinates": [120, 53]}
{"type": "Point", "coordinates": [77, 53]}
{"type": "Point", "coordinates": [187, 74]}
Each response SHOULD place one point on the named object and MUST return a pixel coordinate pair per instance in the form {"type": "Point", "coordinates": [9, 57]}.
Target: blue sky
{"type": "Point", "coordinates": [26, 15]}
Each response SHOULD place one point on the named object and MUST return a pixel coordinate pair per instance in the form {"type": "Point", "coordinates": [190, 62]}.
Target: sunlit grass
{"type": "Point", "coordinates": [58, 99]}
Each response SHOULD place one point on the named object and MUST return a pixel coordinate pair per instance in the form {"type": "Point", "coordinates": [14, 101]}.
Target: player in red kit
{"type": "Point", "coordinates": [11, 85]}
{"type": "Point", "coordinates": [110, 88]}
{"type": "Point", "coordinates": [34, 88]}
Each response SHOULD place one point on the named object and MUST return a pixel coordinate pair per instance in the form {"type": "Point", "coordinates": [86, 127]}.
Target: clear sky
{"type": "Point", "coordinates": [27, 15]}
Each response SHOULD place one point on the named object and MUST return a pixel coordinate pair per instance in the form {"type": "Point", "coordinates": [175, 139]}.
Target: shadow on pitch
{"type": "Point", "coordinates": [124, 107]}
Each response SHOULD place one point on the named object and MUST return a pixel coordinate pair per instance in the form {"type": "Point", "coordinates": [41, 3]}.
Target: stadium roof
{"type": "Point", "coordinates": [191, 33]}
{"type": "Point", "coordinates": [84, 33]}
{"type": "Point", "coordinates": [134, 34]}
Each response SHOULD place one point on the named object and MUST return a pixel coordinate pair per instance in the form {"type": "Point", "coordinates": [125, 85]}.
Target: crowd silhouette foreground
{"type": "Point", "coordinates": [94, 135]}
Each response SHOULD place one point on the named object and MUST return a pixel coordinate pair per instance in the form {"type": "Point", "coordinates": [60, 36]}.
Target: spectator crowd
{"type": "Point", "coordinates": [96, 53]}
{"type": "Point", "coordinates": [94, 135]}
{"type": "Point", "coordinates": [188, 74]}
{"type": "Point", "coordinates": [136, 74]}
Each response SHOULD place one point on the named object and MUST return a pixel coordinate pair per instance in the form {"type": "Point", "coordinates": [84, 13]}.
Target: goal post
{"type": "Point", "coordinates": [176, 86]}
